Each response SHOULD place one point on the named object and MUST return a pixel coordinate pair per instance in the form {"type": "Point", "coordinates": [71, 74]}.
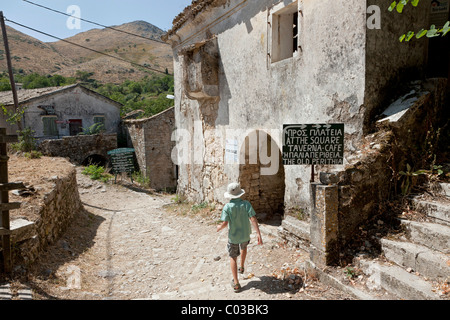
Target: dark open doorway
{"type": "Point", "coordinates": [438, 64]}
{"type": "Point", "coordinates": [261, 175]}
{"type": "Point", "coordinates": [95, 159]}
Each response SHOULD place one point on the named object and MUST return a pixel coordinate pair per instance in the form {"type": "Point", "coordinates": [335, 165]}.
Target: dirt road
{"type": "Point", "coordinates": [135, 245]}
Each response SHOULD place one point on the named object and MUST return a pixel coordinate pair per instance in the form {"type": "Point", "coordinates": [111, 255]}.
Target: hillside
{"type": "Point", "coordinates": [31, 55]}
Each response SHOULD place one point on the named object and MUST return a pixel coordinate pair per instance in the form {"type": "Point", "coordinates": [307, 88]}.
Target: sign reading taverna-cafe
{"type": "Point", "coordinates": [313, 144]}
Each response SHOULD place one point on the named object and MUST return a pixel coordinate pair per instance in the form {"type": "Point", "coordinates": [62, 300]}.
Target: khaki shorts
{"type": "Point", "coordinates": [233, 249]}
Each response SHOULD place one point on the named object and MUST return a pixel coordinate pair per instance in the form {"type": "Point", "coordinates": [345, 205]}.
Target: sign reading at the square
{"type": "Point", "coordinates": [313, 144]}
{"type": "Point", "coordinates": [122, 160]}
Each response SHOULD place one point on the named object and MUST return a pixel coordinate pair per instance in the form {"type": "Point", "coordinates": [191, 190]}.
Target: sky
{"type": "Point", "coordinates": [105, 12]}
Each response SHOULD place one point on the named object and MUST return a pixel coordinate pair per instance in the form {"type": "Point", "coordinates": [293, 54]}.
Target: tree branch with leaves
{"type": "Point", "coordinates": [429, 33]}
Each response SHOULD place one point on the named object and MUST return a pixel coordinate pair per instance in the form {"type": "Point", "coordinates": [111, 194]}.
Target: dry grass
{"type": "Point", "coordinates": [36, 173]}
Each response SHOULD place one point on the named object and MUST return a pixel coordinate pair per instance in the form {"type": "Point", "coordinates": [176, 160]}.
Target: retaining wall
{"type": "Point", "coordinates": [55, 212]}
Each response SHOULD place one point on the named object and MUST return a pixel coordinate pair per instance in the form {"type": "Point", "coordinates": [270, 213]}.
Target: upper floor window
{"type": "Point", "coordinates": [285, 32]}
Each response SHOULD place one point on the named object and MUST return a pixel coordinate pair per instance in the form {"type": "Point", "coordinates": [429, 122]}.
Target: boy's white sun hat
{"type": "Point", "coordinates": [234, 191]}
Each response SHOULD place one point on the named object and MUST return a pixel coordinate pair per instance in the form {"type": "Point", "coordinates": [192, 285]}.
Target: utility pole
{"type": "Point", "coordinates": [10, 71]}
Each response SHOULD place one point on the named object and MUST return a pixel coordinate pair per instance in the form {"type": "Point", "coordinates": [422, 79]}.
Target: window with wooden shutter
{"type": "Point", "coordinates": [50, 127]}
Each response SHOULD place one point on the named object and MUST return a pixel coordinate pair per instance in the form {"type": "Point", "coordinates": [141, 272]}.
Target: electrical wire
{"type": "Point", "coordinates": [95, 23]}
{"type": "Point", "coordinates": [90, 49]}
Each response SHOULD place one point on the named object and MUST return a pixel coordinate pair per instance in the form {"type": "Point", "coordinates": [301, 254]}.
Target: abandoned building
{"type": "Point", "coordinates": [151, 140]}
{"type": "Point", "coordinates": [57, 112]}
{"type": "Point", "coordinates": [243, 69]}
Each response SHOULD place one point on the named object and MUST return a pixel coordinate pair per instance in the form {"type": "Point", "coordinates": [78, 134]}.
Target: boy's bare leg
{"type": "Point", "coordinates": [233, 264]}
{"type": "Point", "coordinates": [243, 256]}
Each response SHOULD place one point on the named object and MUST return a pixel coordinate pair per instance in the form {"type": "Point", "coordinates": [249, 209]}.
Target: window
{"type": "Point", "coordinates": [99, 119]}
{"type": "Point", "coordinates": [285, 32]}
{"type": "Point", "coordinates": [50, 127]}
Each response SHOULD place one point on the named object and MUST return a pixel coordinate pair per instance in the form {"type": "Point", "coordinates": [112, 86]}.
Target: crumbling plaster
{"type": "Point", "coordinates": [326, 81]}
{"type": "Point", "coordinates": [72, 103]}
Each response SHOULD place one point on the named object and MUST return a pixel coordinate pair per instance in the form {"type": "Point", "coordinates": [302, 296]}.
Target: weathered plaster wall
{"type": "Point", "coordinates": [151, 139]}
{"type": "Point", "coordinates": [74, 103]}
{"type": "Point", "coordinates": [315, 86]}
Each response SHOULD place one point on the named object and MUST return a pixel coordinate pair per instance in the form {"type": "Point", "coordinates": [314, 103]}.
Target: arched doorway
{"type": "Point", "coordinates": [261, 175]}
{"type": "Point", "coordinates": [95, 159]}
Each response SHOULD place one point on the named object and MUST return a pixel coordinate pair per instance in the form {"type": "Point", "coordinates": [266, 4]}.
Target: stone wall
{"type": "Point", "coordinates": [373, 173]}
{"type": "Point", "coordinates": [79, 148]}
{"type": "Point", "coordinates": [151, 139]}
{"type": "Point", "coordinates": [348, 199]}
{"type": "Point", "coordinates": [55, 212]}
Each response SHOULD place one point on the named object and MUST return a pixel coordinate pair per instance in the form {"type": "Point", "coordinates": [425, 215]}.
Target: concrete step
{"type": "Point", "coordinates": [438, 210]}
{"type": "Point", "coordinates": [432, 235]}
{"type": "Point", "coordinates": [444, 189]}
{"type": "Point", "coordinates": [398, 281]}
{"type": "Point", "coordinates": [5, 291]}
{"type": "Point", "coordinates": [333, 281]}
{"type": "Point", "coordinates": [429, 263]}
{"type": "Point", "coordinates": [21, 294]}
{"type": "Point", "coordinates": [295, 232]}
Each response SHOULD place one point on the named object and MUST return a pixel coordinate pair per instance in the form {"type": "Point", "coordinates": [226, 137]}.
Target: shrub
{"type": "Point", "coordinates": [97, 173]}
{"type": "Point", "coordinates": [33, 154]}
{"type": "Point", "coordinates": [27, 142]}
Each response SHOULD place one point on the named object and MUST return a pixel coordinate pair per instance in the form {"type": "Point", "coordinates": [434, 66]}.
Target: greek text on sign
{"type": "Point", "coordinates": [122, 160]}
{"type": "Point", "coordinates": [313, 144]}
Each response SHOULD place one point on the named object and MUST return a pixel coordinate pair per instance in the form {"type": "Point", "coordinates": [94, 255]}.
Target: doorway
{"type": "Point", "coordinates": [438, 64]}
{"type": "Point", "coordinates": [261, 175]}
{"type": "Point", "coordinates": [75, 126]}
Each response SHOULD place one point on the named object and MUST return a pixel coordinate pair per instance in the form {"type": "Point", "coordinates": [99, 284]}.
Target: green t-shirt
{"type": "Point", "coordinates": [238, 212]}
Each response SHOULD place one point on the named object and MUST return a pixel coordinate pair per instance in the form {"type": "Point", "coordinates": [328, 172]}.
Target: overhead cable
{"type": "Point", "coordinates": [90, 49]}
{"type": "Point", "coordinates": [95, 23]}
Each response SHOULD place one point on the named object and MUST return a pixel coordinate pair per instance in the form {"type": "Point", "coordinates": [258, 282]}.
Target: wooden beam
{"type": "Point", "coordinates": [4, 231]}
{"type": "Point", "coordinates": [9, 139]}
{"type": "Point", "coordinates": [12, 186]}
{"type": "Point", "coordinates": [9, 206]}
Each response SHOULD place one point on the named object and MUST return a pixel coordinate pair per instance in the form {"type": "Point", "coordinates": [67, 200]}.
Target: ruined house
{"type": "Point", "coordinates": [244, 68]}
{"type": "Point", "coordinates": [151, 139]}
{"type": "Point", "coordinates": [57, 112]}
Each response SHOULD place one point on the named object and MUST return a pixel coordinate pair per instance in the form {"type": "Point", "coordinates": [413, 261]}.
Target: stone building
{"type": "Point", "coordinates": [151, 140]}
{"type": "Point", "coordinates": [245, 68]}
{"type": "Point", "coordinates": [56, 112]}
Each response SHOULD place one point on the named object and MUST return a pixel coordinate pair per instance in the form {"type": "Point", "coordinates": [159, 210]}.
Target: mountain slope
{"type": "Point", "coordinates": [30, 54]}
{"type": "Point", "coordinates": [66, 59]}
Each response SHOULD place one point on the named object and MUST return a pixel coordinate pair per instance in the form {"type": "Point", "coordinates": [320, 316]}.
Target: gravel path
{"type": "Point", "coordinates": [137, 245]}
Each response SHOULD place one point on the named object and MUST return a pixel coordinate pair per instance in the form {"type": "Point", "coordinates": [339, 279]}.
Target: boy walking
{"type": "Point", "coordinates": [238, 215]}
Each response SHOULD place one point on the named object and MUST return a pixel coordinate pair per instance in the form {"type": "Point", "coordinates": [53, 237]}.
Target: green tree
{"type": "Point", "coordinates": [4, 84]}
{"type": "Point", "coordinates": [430, 33]}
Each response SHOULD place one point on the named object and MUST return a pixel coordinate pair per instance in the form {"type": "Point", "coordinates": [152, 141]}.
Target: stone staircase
{"type": "Point", "coordinates": [416, 264]}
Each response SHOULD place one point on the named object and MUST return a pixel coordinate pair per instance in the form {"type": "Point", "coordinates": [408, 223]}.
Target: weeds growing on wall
{"type": "Point", "coordinates": [427, 167]}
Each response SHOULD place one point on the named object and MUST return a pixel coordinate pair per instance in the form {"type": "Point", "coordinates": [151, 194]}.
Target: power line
{"type": "Point", "coordinates": [95, 23]}
{"type": "Point", "coordinates": [90, 49]}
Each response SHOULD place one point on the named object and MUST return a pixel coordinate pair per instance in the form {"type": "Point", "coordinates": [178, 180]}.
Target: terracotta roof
{"type": "Point", "coordinates": [191, 12]}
